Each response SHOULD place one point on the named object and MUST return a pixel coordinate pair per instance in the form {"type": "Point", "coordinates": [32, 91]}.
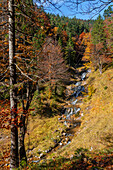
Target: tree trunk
{"type": "Point", "coordinates": [14, 162]}
{"type": "Point", "coordinates": [22, 151]}
{"type": "Point", "coordinates": [100, 66]}
{"type": "Point", "coordinates": [22, 136]}
{"type": "Point", "coordinates": [23, 125]}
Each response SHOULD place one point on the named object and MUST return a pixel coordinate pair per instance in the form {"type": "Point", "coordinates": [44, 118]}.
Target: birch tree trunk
{"type": "Point", "coordinates": [14, 162]}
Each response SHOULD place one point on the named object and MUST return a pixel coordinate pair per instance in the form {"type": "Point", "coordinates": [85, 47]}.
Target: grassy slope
{"type": "Point", "coordinates": [42, 134]}
{"type": "Point", "coordinates": [96, 131]}
{"type": "Point", "coordinates": [43, 131]}
{"type": "Point", "coordinates": [97, 125]}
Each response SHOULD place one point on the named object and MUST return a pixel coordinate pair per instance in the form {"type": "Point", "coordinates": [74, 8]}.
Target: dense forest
{"type": "Point", "coordinates": [50, 67]}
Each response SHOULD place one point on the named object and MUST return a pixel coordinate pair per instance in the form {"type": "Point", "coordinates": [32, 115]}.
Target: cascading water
{"type": "Point", "coordinates": [66, 138]}
{"type": "Point", "coordinates": [77, 91]}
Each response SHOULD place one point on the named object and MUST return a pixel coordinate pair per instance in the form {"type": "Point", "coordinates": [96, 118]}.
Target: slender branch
{"type": "Point", "coordinates": [24, 74]}
{"type": "Point", "coordinates": [24, 33]}
{"type": "Point", "coordinates": [38, 77]}
{"type": "Point", "coordinates": [3, 24]}
{"type": "Point", "coordinates": [5, 71]}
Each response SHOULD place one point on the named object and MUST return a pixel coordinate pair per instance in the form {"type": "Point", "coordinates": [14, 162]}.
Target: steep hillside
{"type": "Point", "coordinates": [91, 145]}
{"type": "Point", "coordinates": [96, 130]}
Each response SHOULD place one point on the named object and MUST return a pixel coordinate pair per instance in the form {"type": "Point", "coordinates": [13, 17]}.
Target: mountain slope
{"type": "Point", "coordinates": [96, 130]}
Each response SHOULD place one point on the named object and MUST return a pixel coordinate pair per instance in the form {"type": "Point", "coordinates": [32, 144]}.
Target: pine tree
{"type": "Point", "coordinates": [108, 12]}
{"type": "Point", "coordinates": [99, 41]}
{"type": "Point", "coordinates": [97, 33]}
{"type": "Point", "coordinates": [70, 53]}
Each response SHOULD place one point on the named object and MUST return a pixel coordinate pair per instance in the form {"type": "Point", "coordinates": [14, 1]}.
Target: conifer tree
{"type": "Point", "coordinates": [99, 41]}
{"type": "Point", "coordinates": [70, 53]}
{"type": "Point", "coordinates": [108, 12]}
{"type": "Point", "coordinates": [97, 33]}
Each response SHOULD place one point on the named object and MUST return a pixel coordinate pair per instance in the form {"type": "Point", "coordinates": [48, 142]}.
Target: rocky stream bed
{"type": "Point", "coordinates": [70, 115]}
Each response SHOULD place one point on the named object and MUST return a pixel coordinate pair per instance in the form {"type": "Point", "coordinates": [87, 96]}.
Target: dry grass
{"type": "Point", "coordinates": [42, 134]}
{"type": "Point", "coordinates": [96, 131]}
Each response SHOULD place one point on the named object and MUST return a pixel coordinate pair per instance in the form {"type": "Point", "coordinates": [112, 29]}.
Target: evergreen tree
{"type": "Point", "coordinates": [99, 41]}
{"type": "Point", "coordinates": [70, 52]}
{"type": "Point", "coordinates": [97, 33]}
{"type": "Point", "coordinates": [108, 12]}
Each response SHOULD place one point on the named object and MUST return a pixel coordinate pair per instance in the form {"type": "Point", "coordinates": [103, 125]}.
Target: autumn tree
{"type": "Point", "coordinates": [80, 47]}
{"type": "Point", "coordinates": [109, 35]}
{"type": "Point", "coordinates": [98, 51]}
{"type": "Point", "coordinates": [4, 69]}
{"type": "Point", "coordinates": [33, 23]}
{"type": "Point", "coordinates": [51, 65]}
{"type": "Point", "coordinates": [87, 54]}
{"type": "Point", "coordinates": [99, 42]}
{"type": "Point", "coordinates": [52, 69]}
{"type": "Point", "coordinates": [13, 89]}
{"type": "Point", "coordinates": [23, 24]}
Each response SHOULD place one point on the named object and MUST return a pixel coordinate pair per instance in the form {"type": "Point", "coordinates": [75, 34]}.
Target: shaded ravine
{"type": "Point", "coordinates": [70, 116]}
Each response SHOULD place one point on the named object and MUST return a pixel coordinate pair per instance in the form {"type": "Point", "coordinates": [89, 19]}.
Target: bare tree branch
{"type": "Point", "coordinates": [25, 74]}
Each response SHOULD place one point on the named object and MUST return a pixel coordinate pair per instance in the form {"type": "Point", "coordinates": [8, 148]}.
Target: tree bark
{"type": "Point", "coordinates": [14, 162]}
{"type": "Point", "coordinates": [100, 68]}
{"type": "Point", "coordinates": [22, 151]}
{"type": "Point", "coordinates": [23, 125]}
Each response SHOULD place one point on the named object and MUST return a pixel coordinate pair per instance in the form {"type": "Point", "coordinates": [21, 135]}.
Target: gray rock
{"type": "Point", "coordinates": [74, 102]}
{"type": "Point", "coordinates": [89, 70]}
{"type": "Point", "coordinates": [65, 123]}
{"type": "Point", "coordinates": [77, 110]}
{"type": "Point", "coordinates": [83, 76]}
{"type": "Point", "coordinates": [71, 157]}
{"type": "Point", "coordinates": [41, 155]}
{"type": "Point", "coordinates": [78, 83]}
{"type": "Point", "coordinates": [64, 134]}
{"type": "Point", "coordinates": [36, 161]}
{"type": "Point", "coordinates": [60, 118]}
{"type": "Point", "coordinates": [68, 142]}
